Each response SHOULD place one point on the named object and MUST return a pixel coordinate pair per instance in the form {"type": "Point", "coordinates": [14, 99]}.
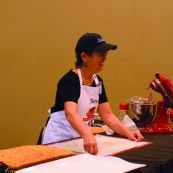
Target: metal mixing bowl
{"type": "Point", "coordinates": [143, 114]}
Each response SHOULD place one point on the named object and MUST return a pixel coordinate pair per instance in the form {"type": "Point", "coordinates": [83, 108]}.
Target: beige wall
{"type": "Point", "coordinates": [37, 40]}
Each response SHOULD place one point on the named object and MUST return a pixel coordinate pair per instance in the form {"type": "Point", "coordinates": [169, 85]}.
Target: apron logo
{"type": "Point", "coordinates": [89, 116]}
{"type": "Point", "coordinates": [93, 101]}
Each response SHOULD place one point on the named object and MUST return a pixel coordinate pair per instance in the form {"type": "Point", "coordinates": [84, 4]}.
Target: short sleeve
{"type": "Point", "coordinates": [102, 96]}
{"type": "Point", "coordinates": [68, 89]}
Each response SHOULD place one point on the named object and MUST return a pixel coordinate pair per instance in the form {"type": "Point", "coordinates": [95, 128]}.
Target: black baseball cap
{"type": "Point", "coordinates": [90, 42]}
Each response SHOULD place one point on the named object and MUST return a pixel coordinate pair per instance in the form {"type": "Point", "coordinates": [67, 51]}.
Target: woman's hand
{"type": "Point", "coordinates": [114, 123]}
{"type": "Point", "coordinates": [136, 136]}
{"type": "Point", "coordinates": [90, 144]}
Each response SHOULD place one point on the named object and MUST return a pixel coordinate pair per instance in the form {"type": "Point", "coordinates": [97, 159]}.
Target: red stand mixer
{"type": "Point", "coordinates": [164, 86]}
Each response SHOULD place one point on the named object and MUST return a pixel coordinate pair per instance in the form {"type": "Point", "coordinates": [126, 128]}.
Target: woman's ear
{"type": "Point", "coordinates": [84, 57]}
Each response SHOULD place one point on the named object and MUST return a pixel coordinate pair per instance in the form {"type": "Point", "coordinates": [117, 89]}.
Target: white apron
{"type": "Point", "coordinates": [59, 129]}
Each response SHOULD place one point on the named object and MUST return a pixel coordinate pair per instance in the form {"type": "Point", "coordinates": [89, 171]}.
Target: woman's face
{"type": "Point", "coordinates": [95, 62]}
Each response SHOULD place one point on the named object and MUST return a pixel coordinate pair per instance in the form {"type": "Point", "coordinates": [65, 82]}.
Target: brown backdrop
{"type": "Point", "coordinates": [37, 40]}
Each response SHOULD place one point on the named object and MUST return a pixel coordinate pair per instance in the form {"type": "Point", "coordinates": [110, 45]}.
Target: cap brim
{"type": "Point", "coordinates": [106, 47]}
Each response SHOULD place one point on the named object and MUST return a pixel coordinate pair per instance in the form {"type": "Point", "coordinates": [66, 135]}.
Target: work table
{"type": "Point", "coordinates": [158, 156]}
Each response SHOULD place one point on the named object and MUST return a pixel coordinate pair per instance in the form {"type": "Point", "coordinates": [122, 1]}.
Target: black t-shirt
{"type": "Point", "coordinates": [68, 89]}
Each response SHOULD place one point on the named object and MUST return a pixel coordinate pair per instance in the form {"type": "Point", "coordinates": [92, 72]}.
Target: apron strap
{"type": "Point", "coordinates": [80, 76]}
{"type": "Point", "coordinates": [96, 80]}
{"type": "Point", "coordinates": [94, 76]}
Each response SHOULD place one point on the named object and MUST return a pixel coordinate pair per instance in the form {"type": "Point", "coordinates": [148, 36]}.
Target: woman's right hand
{"type": "Point", "coordinates": [90, 144]}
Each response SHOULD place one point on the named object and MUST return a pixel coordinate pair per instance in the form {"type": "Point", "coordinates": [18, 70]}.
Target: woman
{"type": "Point", "coordinates": [80, 93]}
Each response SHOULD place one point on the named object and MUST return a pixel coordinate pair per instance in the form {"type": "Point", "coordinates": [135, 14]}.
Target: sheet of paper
{"type": "Point", "coordinates": [106, 145]}
{"type": "Point", "coordinates": [84, 163]}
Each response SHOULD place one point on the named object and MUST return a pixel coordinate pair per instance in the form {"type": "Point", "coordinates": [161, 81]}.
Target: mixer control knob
{"type": "Point", "coordinates": [157, 74]}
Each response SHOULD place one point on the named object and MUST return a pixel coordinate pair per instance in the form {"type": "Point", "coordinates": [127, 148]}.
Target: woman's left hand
{"type": "Point", "coordinates": [136, 136]}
